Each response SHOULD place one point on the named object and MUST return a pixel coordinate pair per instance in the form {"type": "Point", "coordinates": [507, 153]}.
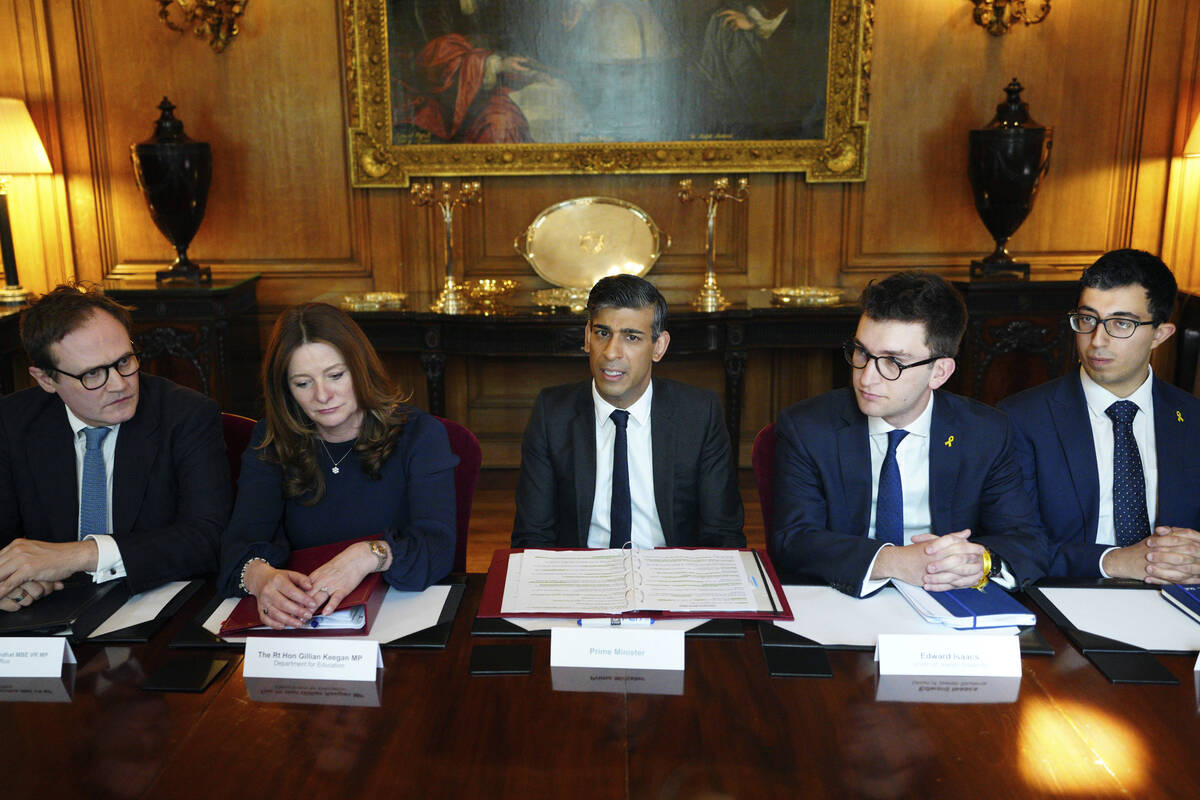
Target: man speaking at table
{"type": "Point", "coordinates": [1109, 447]}
{"type": "Point", "coordinates": [624, 457]}
{"type": "Point", "coordinates": [895, 477]}
{"type": "Point", "coordinates": [103, 470]}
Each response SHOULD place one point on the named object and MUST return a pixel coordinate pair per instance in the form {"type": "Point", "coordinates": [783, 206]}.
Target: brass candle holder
{"type": "Point", "coordinates": [452, 299]}
{"type": "Point", "coordinates": [709, 297]}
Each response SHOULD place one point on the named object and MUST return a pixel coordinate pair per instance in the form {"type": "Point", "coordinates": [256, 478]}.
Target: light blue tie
{"type": "Point", "coordinates": [93, 499]}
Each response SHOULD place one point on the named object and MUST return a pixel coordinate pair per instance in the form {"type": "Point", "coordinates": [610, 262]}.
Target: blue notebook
{"type": "Point", "coordinates": [967, 608]}
{"type": "Point", "coordinates": [1185, 598]}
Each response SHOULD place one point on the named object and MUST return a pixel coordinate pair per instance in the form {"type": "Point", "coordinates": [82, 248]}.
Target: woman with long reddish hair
{"type": "Point", "coordinates": [338, 456]}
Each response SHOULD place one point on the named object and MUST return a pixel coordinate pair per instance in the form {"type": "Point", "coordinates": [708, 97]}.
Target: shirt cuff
{"type": "Point", "coordinates": [1100, 563]}
{"type": "Point", "coordinates": [109, 564]}
{"type": "Point", "coordinates": [868, 585]}
{"type": "Point", "coordinates": [1005, 578]}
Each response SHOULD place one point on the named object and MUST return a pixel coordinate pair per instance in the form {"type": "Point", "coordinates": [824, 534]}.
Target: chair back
{"type": "Point", "coordinates": [763, 458]}
{"type": "Point", "coordinates": [466, 475]}
{"type": "Point", "coordinates": [237, 436]}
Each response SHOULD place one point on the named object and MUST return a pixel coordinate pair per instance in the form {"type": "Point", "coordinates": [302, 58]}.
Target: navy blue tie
{"type": "Point", "coordinates": [620, 512]}
{"type": "Point", "coordinates": [889, 505]}
{"type": "Point", "coordinates": [1130, 520]}
{"type": "Point", "coordinates": [93, 495]}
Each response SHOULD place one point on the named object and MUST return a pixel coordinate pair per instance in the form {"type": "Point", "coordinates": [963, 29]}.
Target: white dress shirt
{"type": "Point", "coordinates": [109, 564]}
{"type": "Point", "coordinates": [646, 530]}
{"type": "Point", "coordinates": [1098, 400]}
{"type": "Point", "coordinates": [912, 459]}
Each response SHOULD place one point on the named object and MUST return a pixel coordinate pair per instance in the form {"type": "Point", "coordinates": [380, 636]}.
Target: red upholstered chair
{"type": "Point", "coordinates": [466, 475]}
{"type": "Point", "coordinates": [237, 436]}
{"type": "Point", "coordinates": [763, 458]}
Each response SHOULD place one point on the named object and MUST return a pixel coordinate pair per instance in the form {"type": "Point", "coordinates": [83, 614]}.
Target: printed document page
{"type": "Point", "coordinates": [693, 580]}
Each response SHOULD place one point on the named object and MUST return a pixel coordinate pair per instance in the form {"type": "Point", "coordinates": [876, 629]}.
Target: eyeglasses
{"type": "Point", "coordinates": [888, 366]}
{"type": "Point", "coordinates": [96, 377]}
{"type": "Point", "coordinates": [1116, 327]}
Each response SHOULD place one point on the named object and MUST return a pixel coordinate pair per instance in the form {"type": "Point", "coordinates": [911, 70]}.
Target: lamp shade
{"type": "Point", "coordinates": [1192, 148]}
{"type": "Point", "coordinates": [21, 151]}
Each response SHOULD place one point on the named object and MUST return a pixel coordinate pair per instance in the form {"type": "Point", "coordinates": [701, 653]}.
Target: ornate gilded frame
{"type": "Point", "coordinates": [375, 161]}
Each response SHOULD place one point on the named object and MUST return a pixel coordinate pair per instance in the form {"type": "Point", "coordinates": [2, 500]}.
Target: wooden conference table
{"type": "Point", "coordinates": [735, 732]}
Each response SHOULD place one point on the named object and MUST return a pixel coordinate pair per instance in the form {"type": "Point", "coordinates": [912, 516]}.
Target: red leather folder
{"type": "Point", "coordinates": [369, 593]}
{"type": "Point", "coordinates": [497, 575]}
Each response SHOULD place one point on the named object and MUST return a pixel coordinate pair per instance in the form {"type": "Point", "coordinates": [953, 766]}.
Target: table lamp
{"type": "Point", "coordinates": [21, 153]}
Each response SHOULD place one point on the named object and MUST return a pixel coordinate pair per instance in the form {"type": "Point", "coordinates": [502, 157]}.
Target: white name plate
{"type": "Point", "coordinates": [617, 681]}
{"type": "Point", "coordinates": [312, 659]}
{"type": "Point", "coordinates": [34, 656]}
{"type": "Point", "coordinates": [616, 648]}
{"type": "Point", "coordinates": [951, 654]}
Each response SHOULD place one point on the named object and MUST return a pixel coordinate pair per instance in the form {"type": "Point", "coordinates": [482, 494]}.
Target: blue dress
{"type": "Point", "coordinates": [412, 505]}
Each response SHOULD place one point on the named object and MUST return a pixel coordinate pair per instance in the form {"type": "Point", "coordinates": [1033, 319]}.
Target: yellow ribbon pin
{"type": "Point", "coordinates": [950, 442]}
{"type": "Point", "coordinates": [1179, 416]}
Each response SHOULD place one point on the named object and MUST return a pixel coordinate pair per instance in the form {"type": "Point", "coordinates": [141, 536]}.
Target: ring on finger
{"type": "Point", "coordinates": [325, 589]}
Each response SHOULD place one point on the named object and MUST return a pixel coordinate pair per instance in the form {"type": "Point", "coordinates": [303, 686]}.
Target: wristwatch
{"type": "Point", "coordinates": [380, 551]}
{"type": "Point", "coordinates": [997, 565]}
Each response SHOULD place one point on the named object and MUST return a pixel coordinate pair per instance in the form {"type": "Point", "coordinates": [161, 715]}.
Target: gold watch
{"type": "Point", "coordinates": [380, 551]}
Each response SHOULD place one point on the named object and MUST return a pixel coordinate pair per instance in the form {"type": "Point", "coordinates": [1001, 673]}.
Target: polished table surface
{"type": "Point", "coordinates": [735, 732]}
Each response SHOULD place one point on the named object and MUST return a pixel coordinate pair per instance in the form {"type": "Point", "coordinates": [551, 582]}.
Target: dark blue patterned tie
{"type": "Point", "coordinates": [889, 506]}
{"type": "Point", "coordinates": [620, 512]}
{"type": "Point", "coordinates": [1130, 521]}
{"type": "Point", "coordinates": [93, 496]}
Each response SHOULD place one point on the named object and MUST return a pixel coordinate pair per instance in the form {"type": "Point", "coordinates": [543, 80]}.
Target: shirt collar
{"type": "Point", "coordinates": [639, 411]}
{"type": "Point", "coordinates": [1098, 398]}
{"type": "Point", "coordinates": [918, 427]}
{"type": "Point", "coordinates": [78, 425]}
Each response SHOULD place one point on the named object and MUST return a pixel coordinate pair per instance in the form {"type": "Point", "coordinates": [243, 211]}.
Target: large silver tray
{"type": "Point", "coordinates": [577, 242]}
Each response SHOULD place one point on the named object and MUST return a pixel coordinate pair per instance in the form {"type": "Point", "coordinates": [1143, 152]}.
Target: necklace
{"type": "Point", "coordinates": [335, 470]}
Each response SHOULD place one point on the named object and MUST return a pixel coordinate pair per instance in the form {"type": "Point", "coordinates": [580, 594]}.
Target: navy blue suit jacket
{"type": "Point", "coordinates": [1058, 459]}
{"type": "Point", "coordinates": [823, 488]}
{"type": "Point", "coordinates": [695, 485]}
{"type": "Point", "coordinates": [171, 490]}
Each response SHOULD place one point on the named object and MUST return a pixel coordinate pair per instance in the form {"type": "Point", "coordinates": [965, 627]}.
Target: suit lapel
{"type": "Point", "coordinates": [1072, 423]}
{"type": "Point", "coordinates": [137, 450]}
{"type": "Point", "coordinates": [1168, 453]}
{"type": "Point", "coordinates": [945, 463]}
{"type": "Point", "coordinates": [50, 450]}
{"type": "Point", "coordinates": [854, 457]}
{"type": "Point", "coordinates": [583, 446]}
{"type": "Point", "coordinates": [662, 446]}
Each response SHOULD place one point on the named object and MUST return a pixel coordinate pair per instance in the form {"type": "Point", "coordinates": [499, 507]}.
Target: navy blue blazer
{"type": "Point", "coordinates": [823, 488]}
{"type": "Point", "coordinates": [695, 485]}
{"type": "Point", "coordinates": [1058, 459]}
{"type": "Point", "coordinates": [171, 489]}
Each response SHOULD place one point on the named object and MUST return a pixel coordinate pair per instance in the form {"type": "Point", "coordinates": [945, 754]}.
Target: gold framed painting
{"type": "Point", "coordinates": [533, 87]}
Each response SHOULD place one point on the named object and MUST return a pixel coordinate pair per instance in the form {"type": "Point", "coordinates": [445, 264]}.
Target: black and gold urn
{"type": "Point", "coordinates": [174, 173]}
{"type": "Point", "coordinates": [1005, 165]}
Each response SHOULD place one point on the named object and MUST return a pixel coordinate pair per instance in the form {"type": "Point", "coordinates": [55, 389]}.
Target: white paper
{"type": "Point", "coordinates": [616, 648]}
{"type": "Point", "coordinates": [948, 654]}
{"type": "Point", "coordinates": [400, 614]}
{"type": "Point", "coordinates": [614, 581]}
{"type": "Point", "coordinates": [832, 618]}
{"type": "Point", "coordinates": [34, 656]}
{"type": "Point", "coordinates": [315, 658]}
{"type": "Point", "coordinates": [549, 623]}
{"type": "Point", "coordinates": [140, 608]}
{"type": "Point", "coordinates": [1139, 617]}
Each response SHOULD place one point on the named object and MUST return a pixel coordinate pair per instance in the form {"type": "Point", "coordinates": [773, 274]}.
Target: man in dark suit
{"type": "Point", "coordinates": [103, 470]}
{"type": "Point", "coordinates": [1099, 476]}
{"type": "Point", "coordinates": [894, 478]}
{"type": "Point", "coordinates": [624, 458]}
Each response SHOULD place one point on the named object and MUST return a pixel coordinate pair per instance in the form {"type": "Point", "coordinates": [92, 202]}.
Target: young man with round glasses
{"type": "Point", "coordinates": [103, 470]}
{"type": "Point", "coordinates": [895, 478]}
{"type": "Point", "coordinates": [1109, 448]}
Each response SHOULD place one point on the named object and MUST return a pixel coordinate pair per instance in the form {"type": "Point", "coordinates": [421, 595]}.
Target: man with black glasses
{"type": "Point", "coordinates": [1109, 448]}
{"type": "Point", "coordinates": [103, 470]}
{"type": "Point", "coordinates": [893, 478]}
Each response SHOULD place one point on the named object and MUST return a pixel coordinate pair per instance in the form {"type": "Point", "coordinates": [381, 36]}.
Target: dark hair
{"type": "Point", "coordinates": [1127, 267]}
{"type": "Point", "coordinates": [290, 439]}
{"type": "Point", "coordinates": [920, 297]}
{"type": "Point", "coordinates": [59, 312]}
{"type": "Point", "coordinates": [629, 291]}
